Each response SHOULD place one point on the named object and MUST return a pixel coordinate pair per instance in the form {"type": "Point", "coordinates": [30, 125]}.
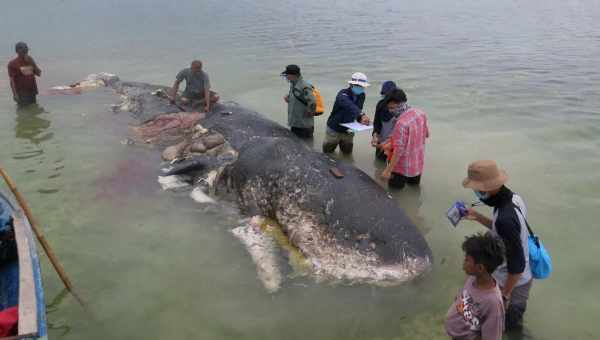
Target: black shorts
{"type": "Point", "coordinates": [398, 181]}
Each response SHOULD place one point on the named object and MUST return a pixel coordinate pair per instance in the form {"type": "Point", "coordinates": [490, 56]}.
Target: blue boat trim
{"type": "Point", "coordinates": [37, 276]}
{"type": "Point", "coordinates": [9, 282]}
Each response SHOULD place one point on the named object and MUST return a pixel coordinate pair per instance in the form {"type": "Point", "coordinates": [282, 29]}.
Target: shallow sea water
{"type": "Point", "coordinates": [516, 81]}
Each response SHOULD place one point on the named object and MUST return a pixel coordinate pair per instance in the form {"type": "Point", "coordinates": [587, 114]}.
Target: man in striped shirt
{"type": "Point", "coordinates": [407, 143]}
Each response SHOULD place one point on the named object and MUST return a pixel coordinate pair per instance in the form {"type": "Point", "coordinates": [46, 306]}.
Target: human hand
{"type": "Point", "coordinates": [375, 141]}
{"type": "Point", "coordinates": [207, 108]}
{"type": "Point", "coordinates": [364, 119]}
{"type": "Point", "coordinates": [16, 98]}
{"type": "Point", "coordinates": [309, 114]}
{"type": "Point", "coordinates": [471, 215]}
{"type": "Point", "coordinates": [286, 99]}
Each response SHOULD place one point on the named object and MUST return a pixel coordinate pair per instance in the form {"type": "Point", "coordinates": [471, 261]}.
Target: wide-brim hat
{"type": "Point", "coordinates": [359, 79]}
{"type": "Point", "coordinates": [291, 70]}
{"type": "Point", "coordinates": [484, 175]}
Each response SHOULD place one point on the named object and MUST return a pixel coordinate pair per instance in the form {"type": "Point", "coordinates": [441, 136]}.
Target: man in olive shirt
{"type": "Point", "coordinates": [301, 103]}
{"type": "Point", "coordinates": [197, 87]}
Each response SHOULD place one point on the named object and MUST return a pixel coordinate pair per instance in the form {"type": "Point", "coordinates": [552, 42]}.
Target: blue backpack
{"type": "Point", "coordinates": [540, 261]}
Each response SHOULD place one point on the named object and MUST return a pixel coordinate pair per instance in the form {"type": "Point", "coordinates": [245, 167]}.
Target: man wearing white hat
{"type": "Point", "coordinates": [347, 109]}
{"type": "Point", "coordinates": [509, 223]}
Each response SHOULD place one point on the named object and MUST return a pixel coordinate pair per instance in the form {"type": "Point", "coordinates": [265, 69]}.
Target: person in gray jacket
{"type": "Point", "coordinates": [301, 103]}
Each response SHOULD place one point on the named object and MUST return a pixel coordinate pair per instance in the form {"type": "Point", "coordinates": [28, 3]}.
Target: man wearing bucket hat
{"type": "Point", "coordinates": [346, 109]}
{"type": "Point", "coordinates": [301, 103]}
{"type": "Point", "coordinates": [507, 222]}
{"type": "Point", "coordinates": [22, 72]}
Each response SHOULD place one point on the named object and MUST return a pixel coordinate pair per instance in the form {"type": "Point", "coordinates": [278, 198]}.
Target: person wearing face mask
{"type": "Point", "coordinates": [509, 223]}
{"type": "Point", "coordinates": [22, 71]}
{"type": "Point", "coordinates": [301, 103]}
{"type": "Point", "coordinates": [406, 144]}
{"type": "Point", "coordinates": [346, 109]}
{"type": "Point", "coordinates": [383, 122]}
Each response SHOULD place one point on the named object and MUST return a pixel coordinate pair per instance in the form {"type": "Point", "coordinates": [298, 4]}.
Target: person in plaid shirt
{"type": "Point", "coordinates": [406, 147]}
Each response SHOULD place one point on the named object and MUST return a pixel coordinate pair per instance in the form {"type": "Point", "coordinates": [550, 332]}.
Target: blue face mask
{"type": "Point", "coordinates": [481, 195]}
{"type": "Point", "coordinates": [358, 90]}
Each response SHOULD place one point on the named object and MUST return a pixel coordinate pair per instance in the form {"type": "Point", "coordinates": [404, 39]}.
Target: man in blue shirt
{"type": "Point", "coordinates": [347, 109]}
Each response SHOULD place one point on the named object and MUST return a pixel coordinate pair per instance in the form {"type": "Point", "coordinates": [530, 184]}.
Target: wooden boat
{"type": "Point", "coordinates": [20, 276]}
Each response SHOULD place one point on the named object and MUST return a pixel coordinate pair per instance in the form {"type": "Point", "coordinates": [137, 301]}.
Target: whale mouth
{"type": "Point", "coordinates": [317, 257]}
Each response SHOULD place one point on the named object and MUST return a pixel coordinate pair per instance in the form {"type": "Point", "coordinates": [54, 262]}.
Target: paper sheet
{"type": "Point", "coordinates": [357, 127]}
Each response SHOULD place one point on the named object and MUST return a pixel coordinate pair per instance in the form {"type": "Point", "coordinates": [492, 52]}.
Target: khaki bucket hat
{"type": "Point", "coordinates": [484, 175]}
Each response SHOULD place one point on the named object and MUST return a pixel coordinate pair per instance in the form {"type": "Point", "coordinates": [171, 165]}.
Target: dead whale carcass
{"type": "Point", "coordinates": [348, 229]}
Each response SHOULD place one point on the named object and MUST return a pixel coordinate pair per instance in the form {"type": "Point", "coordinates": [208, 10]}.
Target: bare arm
{"type": "Point", "coordinates": [206, 93]}
{"type": "Point", "coordinates": [476, 216]}
{"type": "Point", "coordinates": [175, 89]}
{"type": "Point", "coordinates": [399, 140]}
{"type": "Point", "coordinates": [36, 70]}
{"type": "Point", "coordinates": [511, 282]}
{"type": "Point", "coordinates": [207, 99]}
{"type": "Point", "coordinates": [391, 165]}
{"type": "Point", "coordinates": [13, 85]}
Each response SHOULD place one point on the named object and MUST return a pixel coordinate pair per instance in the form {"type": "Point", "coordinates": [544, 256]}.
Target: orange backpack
{"type": "Point", "coordinates": [319, 99]}
{"type": "Point", "coordinates": [320, 108]}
